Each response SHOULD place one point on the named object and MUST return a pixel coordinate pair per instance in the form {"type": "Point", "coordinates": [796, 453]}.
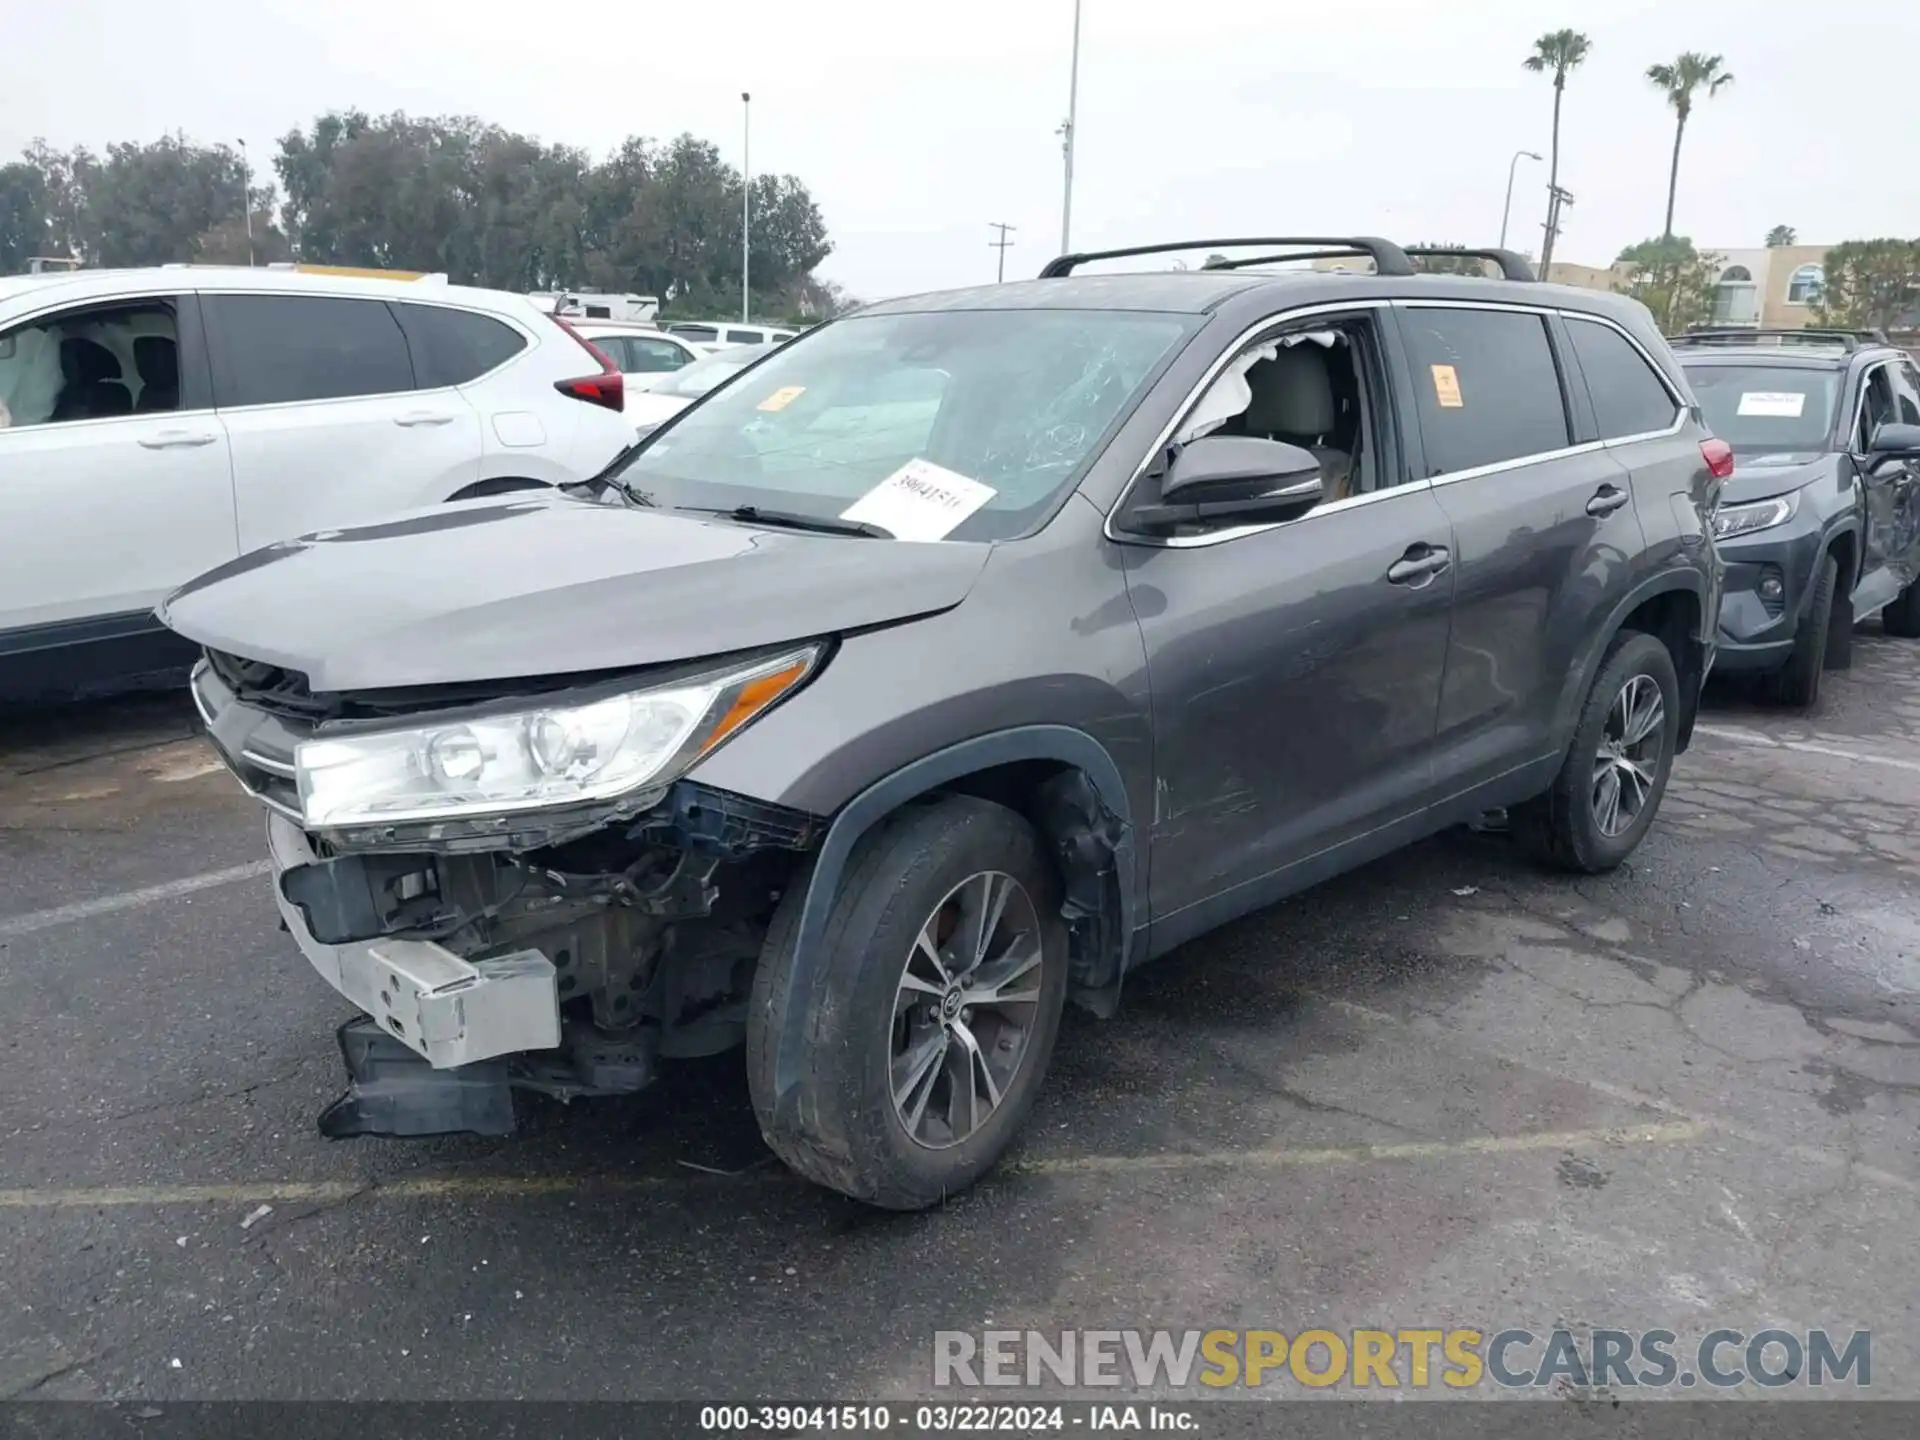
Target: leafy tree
{"type": "Point", "coordinates": [147, 204]}
{"type": "Point", "coordinates": [457, 194]}
{"type": "Point", "coordinates": [1781, 236]}
{"type": "Point", "coordinates": [1871, 284]}
{"type": "Point", "coordinates": [1556, 53]}
{"type": "Point", "coordinates": [1449, 264]}
{"type": "Point", "coordinates": [1680, 80]}
{"type": "Point", "coordinates": [1673, 280]}
{"type": "Point", "coordinates": [24, 228]}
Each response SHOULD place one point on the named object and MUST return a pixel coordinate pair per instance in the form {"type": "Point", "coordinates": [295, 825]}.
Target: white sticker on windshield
{"type": "Point", "coordinates": [1782, 404]}
{"type": "Point", "coordinates": [920, 501]}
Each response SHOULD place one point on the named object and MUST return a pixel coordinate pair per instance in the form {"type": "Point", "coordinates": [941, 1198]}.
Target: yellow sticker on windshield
{"type": "Point", "coordinates": [1446, 387]}
{"type": "Point", "coordinates": [783, 397]}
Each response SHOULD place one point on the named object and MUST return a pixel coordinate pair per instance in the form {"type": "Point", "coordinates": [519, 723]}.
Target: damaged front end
{"type": "Point", "coordinates": [565, 947]}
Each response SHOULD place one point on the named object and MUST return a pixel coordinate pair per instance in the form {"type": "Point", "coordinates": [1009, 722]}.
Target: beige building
{"type": "Point", "coordinates": [1772, 289]}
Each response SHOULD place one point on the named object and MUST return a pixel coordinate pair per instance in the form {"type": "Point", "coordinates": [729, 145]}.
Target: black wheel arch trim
{"type": "Point", "coordinates": [1848, 524]}
{"type": "Point", "coordinates": [1061, 744]}
{"type": "Point", "coordinates": [1681, 579]}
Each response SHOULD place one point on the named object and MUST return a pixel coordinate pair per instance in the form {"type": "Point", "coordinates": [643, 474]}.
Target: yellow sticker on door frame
{"type": "Point", "coordinates": [783, 397]}
{"type": "Point", "coordinates": [1446, 387]}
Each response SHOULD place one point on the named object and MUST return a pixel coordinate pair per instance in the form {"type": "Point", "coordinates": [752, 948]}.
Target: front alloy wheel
{"type": "Point", "coordinates": [1628, 759]}
{"type": "Point", "coordinates": [964, 1012]}
{"type": "Point", "coordinates": [931, 1014]}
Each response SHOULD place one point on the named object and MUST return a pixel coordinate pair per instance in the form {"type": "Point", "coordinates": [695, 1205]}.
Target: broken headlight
{"type": "Point", "coordinates": [540, 757]}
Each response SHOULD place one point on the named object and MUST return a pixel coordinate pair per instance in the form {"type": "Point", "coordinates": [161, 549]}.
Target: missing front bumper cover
{"type": "Point", "coordinates": [392, 1090]}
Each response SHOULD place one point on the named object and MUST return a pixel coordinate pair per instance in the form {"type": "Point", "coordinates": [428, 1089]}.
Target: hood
{"type": "Point", "coordinates": [1759, 477]}
{"type": "Point", "coordinates": [509, 589]}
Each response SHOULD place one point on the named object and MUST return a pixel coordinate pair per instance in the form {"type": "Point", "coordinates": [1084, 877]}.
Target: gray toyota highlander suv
{"type": "Point", "coordinates": [951, 662]}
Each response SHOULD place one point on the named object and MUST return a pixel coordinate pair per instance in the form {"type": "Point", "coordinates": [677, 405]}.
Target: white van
{"type": "Point", "coordinates": [711, 335]}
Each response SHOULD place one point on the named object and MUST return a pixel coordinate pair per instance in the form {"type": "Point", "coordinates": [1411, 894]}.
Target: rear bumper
{"type": "Point", "coordinates": [447, 1010]}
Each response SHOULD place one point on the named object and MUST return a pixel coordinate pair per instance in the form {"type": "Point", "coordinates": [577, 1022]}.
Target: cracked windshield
{"type": "Point", "coordinates": [1012, 403]}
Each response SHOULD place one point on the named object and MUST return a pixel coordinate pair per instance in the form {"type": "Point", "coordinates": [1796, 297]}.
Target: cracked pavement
{"type": "Point", "coordinates": [1448, 1089]}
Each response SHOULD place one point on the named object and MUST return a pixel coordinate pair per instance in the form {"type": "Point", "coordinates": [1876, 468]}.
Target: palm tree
{"type": "Point", "coordinates": [1555, 54]}
{"type": "Point", "coordinates": [1781, 236]}
{"type": "Point", "coordinates": [1679, 80]}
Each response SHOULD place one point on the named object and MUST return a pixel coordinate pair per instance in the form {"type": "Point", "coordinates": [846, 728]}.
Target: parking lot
{"type": "Point", "coordinates": [1446, 1090]}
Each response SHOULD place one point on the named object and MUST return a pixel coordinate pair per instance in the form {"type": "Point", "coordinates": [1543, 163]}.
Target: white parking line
{"type": "Point", "coordinates": [1805, 747]}
{"type": "Point", "coordinates": [13, 926]}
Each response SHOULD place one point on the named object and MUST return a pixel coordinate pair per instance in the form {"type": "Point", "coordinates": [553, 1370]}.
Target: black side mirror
{"type": "Point", "coordinates": [1893, 438]}
{"type": "Point", "coordinates": [1235, 477]}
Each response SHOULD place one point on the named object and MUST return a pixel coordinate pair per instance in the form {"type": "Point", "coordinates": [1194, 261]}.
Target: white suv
{"type": "Point", "coordinates": [157, 423]}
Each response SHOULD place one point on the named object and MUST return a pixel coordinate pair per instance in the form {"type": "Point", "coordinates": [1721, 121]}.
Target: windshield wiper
{"type": "Point", "coordinates": [792, 520]}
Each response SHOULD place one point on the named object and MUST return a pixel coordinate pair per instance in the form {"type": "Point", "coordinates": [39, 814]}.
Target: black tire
{"type": "Point", "coordinates": [1561, 828]}
{"type": "Point", "coordinates": [1797, 683]}
{"type": "Point", "coordinates": [1902, 617]}
{"type": "Point", "coordinates": [845, 1133]}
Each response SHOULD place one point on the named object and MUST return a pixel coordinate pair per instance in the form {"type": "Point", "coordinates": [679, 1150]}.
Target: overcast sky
{"type": "Point", "coordinates": [916, 123]}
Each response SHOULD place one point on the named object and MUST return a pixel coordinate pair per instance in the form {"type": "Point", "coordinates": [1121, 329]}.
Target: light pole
{"type": "Point", "coordinates": [246, 197]}
{"type": "Point", "coordinates": [746, 203]}
{"type": "Point", "coordinates": [1066, 137]}
{"type": "Point", "coordinates": [1507, 209]}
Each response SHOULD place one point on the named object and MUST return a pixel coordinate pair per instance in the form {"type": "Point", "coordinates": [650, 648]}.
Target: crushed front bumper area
{"type": "Point", "coordinates": [569, 971]}
{"type": "Point", "coordinates": [446, 1010]}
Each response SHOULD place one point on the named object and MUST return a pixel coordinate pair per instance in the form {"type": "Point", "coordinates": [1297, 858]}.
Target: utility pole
{"type": "Point", "coordinates": [746, 204]}
{"type": "Point", "coordinates": [1066, 136]}
{"type": "Point", "coordinates": [1557, 198]}
{"type": "Point", "coordinates": [1001, 245]}
{"type": "Point", "coordinates": [246, 197]}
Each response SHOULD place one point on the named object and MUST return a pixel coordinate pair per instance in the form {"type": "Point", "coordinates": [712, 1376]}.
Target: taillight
{"type": "Point", "coordinates": [608, 388]}
{"type": "Point", "coordinates": [1719, 457]}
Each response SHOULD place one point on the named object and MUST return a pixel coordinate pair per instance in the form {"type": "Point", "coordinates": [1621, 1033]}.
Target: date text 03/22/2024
{"type": "Point", "coordinates": [961, 1418]}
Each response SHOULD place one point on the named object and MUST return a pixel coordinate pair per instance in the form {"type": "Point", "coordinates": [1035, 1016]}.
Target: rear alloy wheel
{"type": "Point", "coordinates": [1902, 617]}
{"type": "Point", "coordinates": [1797, 683]}
{"type": "Point", "coordinates": [932, 1011]}
{"type": "Point", "coordinates": [1609, 787]}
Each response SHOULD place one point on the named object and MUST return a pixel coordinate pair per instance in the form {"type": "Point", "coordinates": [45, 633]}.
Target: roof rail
{"type": "Point", "coordinates": [1512, 266]}
{"type": "Point", "coordinates": [1848, 340]}
{"type": "Point", "coordinates": [1247, 262]}
{"type": "Point", "coordinates": [1388, 258]}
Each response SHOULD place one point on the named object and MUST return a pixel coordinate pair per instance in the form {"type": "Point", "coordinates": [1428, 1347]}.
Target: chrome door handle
{"type": "Point", "coordinates": [177, 439]}
{"type": "Point", "coordinates": [1606, 500]}
{"type": "Point", "coordinates": [423, 417]}
{"type": "Point", "coordinates": [1419, 565]}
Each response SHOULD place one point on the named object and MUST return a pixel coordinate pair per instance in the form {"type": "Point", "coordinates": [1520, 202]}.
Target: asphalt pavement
{"type": "Point", "coordinates": [1447, 1090]}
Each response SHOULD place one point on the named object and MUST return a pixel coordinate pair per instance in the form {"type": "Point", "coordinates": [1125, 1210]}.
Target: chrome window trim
{"type": "Point", "coordinates": [1284, 320]}
{"type": "Point", "coordinates": [1683, 408]}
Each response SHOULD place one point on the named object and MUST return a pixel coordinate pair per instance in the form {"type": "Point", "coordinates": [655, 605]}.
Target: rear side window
{"type": "Point", "coordinates": [1487, 387]}
{"type": "Point", "coordinates": [276, 349]}
{"type": "Point", "coordinates": [451, 347]}
{"type": "Point", "coordinates": [745, 337]}
{"type": "Point", "coordinates": [1628, 397]}
{"type": "Point", "coordinates": [701, 334]}
{"type": "Point", "coordinates": [647, 356]}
